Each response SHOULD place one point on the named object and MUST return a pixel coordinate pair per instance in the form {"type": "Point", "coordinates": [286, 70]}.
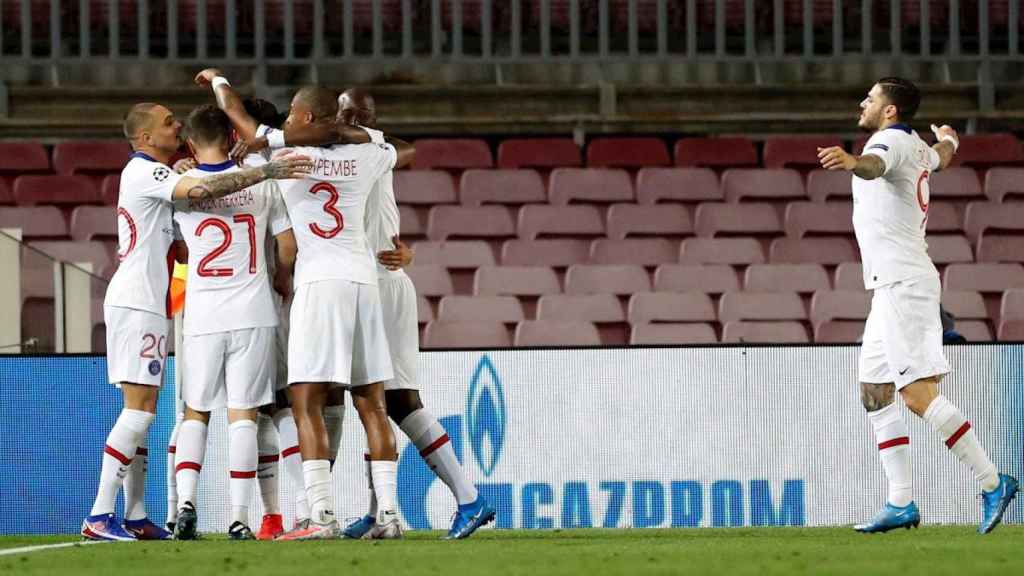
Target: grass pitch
{"type": "Point", "coordinates": [932, 551]}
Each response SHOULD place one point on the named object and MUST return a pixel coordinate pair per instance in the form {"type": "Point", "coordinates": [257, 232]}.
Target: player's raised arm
{"type": "Point", "coordinates": [230, 102]}
{"type": "Point", "coordinates": [947, 144]}
{"type": "Point", "coordinates": [866, 167]}
{"type": "Point", "coordinates": [218, 185]}
{"type": "Point", "coordinates": [406, 151]}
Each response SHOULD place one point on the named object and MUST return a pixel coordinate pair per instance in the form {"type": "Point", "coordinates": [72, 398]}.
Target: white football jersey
{"type": "Point", "coordinates": [890, 213]}
{"type": "Point", "coordinates": [228, 287]}
{"type": "Point", "coordinates": [327, 210]}
{"type": "Point", "coordinates": [145, 232]}
{"type": "Point", "coordinates": [382, 219]}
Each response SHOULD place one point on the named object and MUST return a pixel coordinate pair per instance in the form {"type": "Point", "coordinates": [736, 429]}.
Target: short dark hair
{"type": "Point", "coordinates": [322, 102]}
{"type": "Point", "coordinates": [138, 119]}
{"type": "Point", "coordinates": [208, 125]}
{"type": "Point", "coordinates": [902, 94]}
{"type": "Point", "coordinates": [263, 111]}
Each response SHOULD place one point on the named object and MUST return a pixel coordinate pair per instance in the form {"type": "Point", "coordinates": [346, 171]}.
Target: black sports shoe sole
{"type": "Point", "coordinates": [186, 527]}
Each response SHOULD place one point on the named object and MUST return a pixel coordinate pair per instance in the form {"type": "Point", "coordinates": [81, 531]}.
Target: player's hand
{"type": "Point", "coordinates": [184, 165]}
{"type": "Point", "coordinates": [243, 148]}
{"type": "Point", "coordinates": [288, 166]}
{"type": "Point", "coordinates": [835, 158]}
{"type": "Point", "coordinates": [205, 78]}
{"type": "Point", "coordinates": [283, 284]}
{"type": "Point", "coordinates": [944, 131]}
{"type": "Point", "coordinates": [400, 257]}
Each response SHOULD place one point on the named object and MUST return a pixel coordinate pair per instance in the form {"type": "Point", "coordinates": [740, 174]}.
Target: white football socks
{"type": "Point", "coordinates": [432, 441]}
{"type": "Point", "coordinates": [135, 483]}
{"type": "Point", "coordinates": [317, 477]}
{"type": "Point", "coordinates": [189, 459]}
{"type": "Point", "coordinates": [334, 417]}
{"type": "Point", "coordinates": [894, 450]}
{"type": "Point", "coordinates": [947, 420]}
{"type": "Point", "coordinates": [267, 470]}
{"type": "Point", "coordinates": [242, 462]}
{"type": "Point", "coordinates": [124, 437]}
{"type": "Point", "coordinates": [385, 483]}
{"type": "Point", "coordinates": [291, 459]}
{"type": "Point", "coordinates": [372, 511]}
{"type": "Point", "coordinates": [172, 478]}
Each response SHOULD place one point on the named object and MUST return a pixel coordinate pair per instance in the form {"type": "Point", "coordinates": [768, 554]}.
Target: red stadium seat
{"type": "Point", "coordinates": [515, 281]}
{"type": "Point", "coordinates": [763, 185]}
{"type": "Point", "coordinates": [424, 187]}
{"type": "Point", "coordinates": [765, 332]}
{"type": "Point", "coordinates": [965, 304]}
{"type": "Point", "coordinates": [999, 248]}
{"type": "Point", "coordinates": [627, 152]}
{"type": "Point", "coordinates": [955, 182]}
{"type": "Point", "coordinates": [1011, 331]}
{"type": "Point", "coordinates": [761, 306]}
{"type": "Point", "coordinates": [654, 334]}
{"type": "Point", "coordinates": [949, 249]}
{"type": "Point", "coordinates": [23, 158]}
{"type": "Point", "coordinates": [986, 150]}
{"type": "Point", "coordinates": [1001, 183]}
{"type": "Point", "coordinates": [596, 185]}
{"type": "Point", "coordinates": [6, 196]}
{"type": "Point", "coordinates": [552, 333]}
{"type": "Point", "coordinates": [829, 305]}
{"type": "Point", "coordinates": [410, 223]}
{"type": "Point", "coordinates": [454, 254]}
{"type": "Point", "coordinates": [982, 217]}
{"type": "Point", "coordinates": [110, 188]}
{"type": "Point", "coordinates": [804, 278]}
{"type": "Point", "coordinates": [505, 309]}
{"type": "Point", "coordinates": [556, 253]}
{"type": "Point", "coordinates": [89, 222]}
{"type": "Point", "coordinates": [452, 154]}
{"type": "Point", "coordinates": [431, 280]}
{"type": "Point", "coordinates": [538, 153]}
{"type": "Point", "coordinates": [747, 219]}
{"type": "Point", "coordinates": [466, 335]}
{"type": "Point", "coordinates": [735, 251]}
{"type": "Point", "coordinates": [56, 190]}
{"type": "Point", "coordinates": [677, 185]}
{"type": "Point", "coordinates": [815, 218]}
{"type": "Point", "coordinates": [824, 185]}
{"type": "Point", "coordinates": [850, 276]}
{"type": "Point", "coordinates": [639, 251]}
{"type": "Point", "coordinates": [34, 221]}
{"type": "Point", "coordinates": [839, 332]}
{"type": "Point", "coordinates": [631, 219]}
{"type": "Point", "coordinates": [984, 277]}
{"type": "Point", "coordinates": [622, 280]}
{"type": "Point", "coordinates": [974, 330]}
{"type": "Point", "coordinates": [445, 222]}
{"type": "Point", "coordinates": [1012, 305]}
{"type": "Point", "coordinates": [824, 251]}
{"type": "Point", "coordinates": [598, 308]}
{"type": "Point", "coordinates": [800, 152]}
{"type": "Point", "coordinates": [716, 153]}
{"type": "Point", "coordinates": [707, 278]}
{"type": "Point", "coordinates": [651, 307]}
{"type": "Point", "coordinates": [535, 221]}
{"type": "Point", "coordinates": [90, 156]}
{"type": "Point", "coordinates": [480, 187]}
{"type": "Point", "coordinates": [944, 217]}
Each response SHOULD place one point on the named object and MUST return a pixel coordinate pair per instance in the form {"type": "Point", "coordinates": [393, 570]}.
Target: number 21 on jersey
{"type": "Point", "coordinates": [206, 268]}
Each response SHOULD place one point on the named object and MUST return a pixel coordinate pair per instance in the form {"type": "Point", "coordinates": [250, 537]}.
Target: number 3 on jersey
{"type": "Point", "coordinates": [329, 207]}
{"type": "Point", "coordinates": [204, 265]}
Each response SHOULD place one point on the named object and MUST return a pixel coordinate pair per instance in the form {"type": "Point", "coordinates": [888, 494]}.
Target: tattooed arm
{"type": "Point", "coordinates": [218, 185]}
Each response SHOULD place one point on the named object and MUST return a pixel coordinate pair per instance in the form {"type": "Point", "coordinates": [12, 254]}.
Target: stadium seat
{"type": "Point", "coordinates": [984, 277]}
{"type": "Point", "coordinates": [717, 153]}
{"type": "Point", "coordinates": [597, 308]}
{"type": "Point", "coordinates": [424, 312]}
{"type": "Point", "coordinates": [949, 249]}
{"type": "Point", "coordinates": [431, 280]}
{"type": "Point", "coordinates": [965, 304]}
{"type": "Point", "coordinates": [980, 217]}
{"type": "Point", "coordinates": [839, 305]}
{"type": "Point", "coordinates": [712, 219]}
{"type": "Point", "coordinates": [985, 150]}
{"type": "Point", "coordinates": [622, 280]}
{"type": "Point", "coordinates": [6, 196]}
{"type": "Point", "coordinates": [451, 154]}
{"type": "Point", "coordinates": [816, 218]}
{"type": "Point", "coordinates": [640, 251]}
{"type": "Point", "coordinates": [515, 281]}
{"type": "Point", "coordinates": [944, 217]}
{"type": "Point", "coordinates": [23, 158]}
{"type": "Point", "coordinates": [109, 189]}
{"type": "Point", "coordinates": [34, 221]}
{"type": "Point", "coordinates": [764, 332]}
{"type": "Point", "coordinates": [839, 332]}
{"type": "Point", "coordinates": [556, 333]}
{"type": "Point", "coordinates": [535, 221]}
{"type": "Point", "coordinates": [645, 308]}
{"type": "Point", "coordinates": [480, 187]}
{"type": "Point", "coordinates": [761, 306]}
{"type": "Point", "coordinates": [594, 185]}
{"type": "Point", "coordinates": [1001, 183]}
{"type": "Point", "coordinates": [555, 253]}
{"type": "Point", "coordinates": [444, 222]}
{"type": "Point", "coordinates": [1012, 331]}
{"type": "Point", "coordinates": [655, 334]}
{"type": "Point", "coordinates": [999, 248]}
{"type": "Point", "coordinates": [677, 185]}
{"type": "Point", "coordinates": [538, 153]}
{"type": "Point", "coordinates": [1012, 305]}
{"type": "Point", "coordinates": [803, 278]}
{"type": "Point", "coordinates": [974, 330]}
{"type": "Point", "coordinates": [825, 251]}
{"type": "Point", "coordinates": [90, 156]}
{"type": "Point", "coordinates": [708, 278]}
{"type": "Point", "coordinates": [410, 224]}
{"type": "Point", "coordinates": [56, 190]}
{"type": "Point", "coordinates": [637, 152]}
{"type": "Point", "coordinates": [824, 185]}
{"type": "Point", "coordinates": [762, 185]}
{"type": "Point", "coordinates": [454, 254]}
{"type": "Point", "coordinates": [505, 309]}
{"type": "Point", "coordinates": [735, 251]}
{"type": "Point", "coordinates": [466, 335]}
{"type": "Point", "coordinates": [88, 222]}
{"type": "Point", "coordinates": [955, 182]}
{"type": "Point", "coordinates": [424, 187]}
{"type": "Point", "coordinates": [800, 152]}
{"type": "Point", "coordinates": [633, 219]}
{"type": "Point", "coordinates": [850, 276]}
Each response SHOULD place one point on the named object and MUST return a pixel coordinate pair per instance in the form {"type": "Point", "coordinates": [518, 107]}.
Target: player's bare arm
{"type": "Point", "coordinates": [400, 257]}
{"type": "Point", "coordinates": [866, 167]}
{"type": "Point", "coordinates": [948, 142]}
{"type": "Point", "coordinates": [223, 184]}
{"type": "Point", "coordinates": [406, 151]}
{"type": "Point", "coordinates": [230, 102]}
{"type": "Point", "coordinates": [184, 165]}
{"type": "Point", "coordinates": [287, 250]}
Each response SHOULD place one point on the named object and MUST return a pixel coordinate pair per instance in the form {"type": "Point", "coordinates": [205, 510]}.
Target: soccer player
{"type": "Point", "coordinates": [902, 344]}
{"type": "Point", "coordinates": [135, 306]}
{"type": "Point", "coordinates": [230, 319]}
{"type": "Point", "coordinates": [398, 300]}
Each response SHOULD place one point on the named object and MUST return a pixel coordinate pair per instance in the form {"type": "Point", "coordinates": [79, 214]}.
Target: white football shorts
{"type": "Point", "coordinates": [232, 369]}
{"type": "Point", "coordinates": [903, 334]}
{"type": "Point", "coordinates": [280, 376]}
{"type": "Point", "coordinates": [137, 343]}
{"type": "Point", "coordinates": [398, 301]}
{"type": "Point", "coordinates": [337, 335]}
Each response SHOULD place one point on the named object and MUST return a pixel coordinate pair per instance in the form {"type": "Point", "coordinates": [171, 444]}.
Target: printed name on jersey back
{"type": "Point", "coordinates": [328, 168]}
{"type": "Point", "coordinates": [241, 199]}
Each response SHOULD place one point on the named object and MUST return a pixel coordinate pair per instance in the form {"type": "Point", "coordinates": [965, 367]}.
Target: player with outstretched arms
{"type": "Point", "coordinates": [136, 304]}
{"type": "Point", "coordinates": [902, 344]}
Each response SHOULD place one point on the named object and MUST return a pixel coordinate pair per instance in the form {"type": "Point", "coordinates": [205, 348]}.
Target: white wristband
{"type": "Point", "coordinates": [219, 81]}
{"type": "Point", "coordinates": [949, 138]}
{"type": "Point", "coordinates": [275, 139]}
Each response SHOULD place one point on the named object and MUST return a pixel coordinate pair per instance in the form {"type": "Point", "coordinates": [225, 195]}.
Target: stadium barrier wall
{"type": "Point", "coordinates": [565, 438]}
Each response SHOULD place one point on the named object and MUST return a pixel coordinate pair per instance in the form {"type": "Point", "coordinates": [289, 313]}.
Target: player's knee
{"type": "Point", "coordinates": [919, 395]}
{"type": "Point", "coordinates": [402, 403]}
{"type": "Point", "coordinates": [874, 397]}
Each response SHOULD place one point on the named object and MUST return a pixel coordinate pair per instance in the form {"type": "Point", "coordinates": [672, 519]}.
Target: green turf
{"type": "Point", "coordinates": [932, 550]}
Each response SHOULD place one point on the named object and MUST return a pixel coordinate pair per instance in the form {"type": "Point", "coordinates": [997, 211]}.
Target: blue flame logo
{"type": "Point", "coordinates": [486, 415]}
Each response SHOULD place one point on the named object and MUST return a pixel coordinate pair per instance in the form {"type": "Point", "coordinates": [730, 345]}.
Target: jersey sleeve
{"type": "Point", "coordinates": [886, 145]}
{"type": "Point", "coordinates": [154, 180]}
{"type": "Point", "coordinates": [279, 220]}
{"type": "Point", "coordinates": [934, 160]}
{"type": "Point", "coordinates": [382, 157]}
{"type": "Point", "coordinates": [376, 136]}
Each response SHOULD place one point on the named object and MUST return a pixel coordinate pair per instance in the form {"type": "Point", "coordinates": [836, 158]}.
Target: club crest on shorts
{"type": "Point", "coordinates": [160, 173]}
{"type": "Point", "coordinates": [154, 367]}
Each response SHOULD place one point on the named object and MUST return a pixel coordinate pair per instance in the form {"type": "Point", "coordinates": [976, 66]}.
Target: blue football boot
{"type": "Point", "coordinates": [105, 527]}
{"type": "Point", "coordinates": [360, 528]}
{"type": "Point", "coordinates": [994, 503]}
{"type": "Point", "coordinates": [470, 517]}
{"type": "Point", "coordinates": [891, 518]}
{"type": "Point", "coordinates": [145, 530]}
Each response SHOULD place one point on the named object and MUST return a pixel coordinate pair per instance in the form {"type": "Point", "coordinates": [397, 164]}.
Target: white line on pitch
{"type": "Point", "coordinates": [27, 549]}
